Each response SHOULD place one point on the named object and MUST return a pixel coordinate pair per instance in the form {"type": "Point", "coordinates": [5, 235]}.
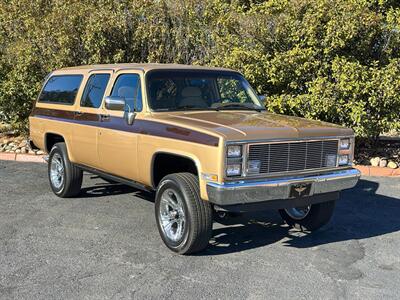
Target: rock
{"type": "Point", "coordinates": [22, 144]}
{"type": "Point", "coordinates": [383, 162]}
{"type": "Point", "coordinates": [31, 152]}
{"type": "Point", "coordinates": [18, 151]}
{"type": "Point", "coordinates": [392, 165]}
{"type": "Point", "coordinates": [375, 161]}
{"type": "Point", "coordinates": [40, 152]}
{"type": "Point", "coordinates": [23, 150]}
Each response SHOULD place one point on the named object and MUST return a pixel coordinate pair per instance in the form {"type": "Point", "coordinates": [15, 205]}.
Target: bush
{"type": "Point", "coordinates": [334, 60]}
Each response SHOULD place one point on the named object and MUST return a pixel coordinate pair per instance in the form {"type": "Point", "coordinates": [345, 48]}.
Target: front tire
{"type": "Point", "coordinates": [309, 218]}
{"type": "Point", "coordinates": [65, 178]}
{"type": "Point", "coordinates": [184, 220]}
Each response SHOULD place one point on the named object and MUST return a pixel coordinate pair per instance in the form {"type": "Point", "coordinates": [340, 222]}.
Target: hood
{"type": "Point", "coordinates": [251, 125]}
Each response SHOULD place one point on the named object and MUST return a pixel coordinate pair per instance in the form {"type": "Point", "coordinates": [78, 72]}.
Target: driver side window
{"type": "Point", "coordinates": [128, 87]}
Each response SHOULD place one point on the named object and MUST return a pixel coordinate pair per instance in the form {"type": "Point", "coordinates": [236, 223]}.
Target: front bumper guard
{"type": "Point", "coordinates": [245, 192]}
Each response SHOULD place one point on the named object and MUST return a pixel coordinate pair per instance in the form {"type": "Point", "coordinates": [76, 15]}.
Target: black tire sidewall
{"type": "Point", "coordinates": [174, 185]}
{"type": "Point", "coordinates": [72, 181]}
{"type": "Point", "coordinates": [58, 149]}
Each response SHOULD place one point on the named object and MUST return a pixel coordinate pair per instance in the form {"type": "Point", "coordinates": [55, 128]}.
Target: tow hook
{"type": "Point", "coordinates": [222, 213]}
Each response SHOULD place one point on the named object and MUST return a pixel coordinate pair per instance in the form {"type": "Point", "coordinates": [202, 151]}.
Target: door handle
{"type": "Point", "coordinates": [104, 117]}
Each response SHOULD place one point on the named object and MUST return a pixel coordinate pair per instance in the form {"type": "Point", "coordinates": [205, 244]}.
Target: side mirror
{"type": "Point", "coordinates": [114, 103]}
{"type": "Point", "coordinates": [261, 97]}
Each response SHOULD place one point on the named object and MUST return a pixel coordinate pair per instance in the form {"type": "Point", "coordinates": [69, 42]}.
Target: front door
{"type": "Point", "coordinates": [117, 141]}
{"type": "Point", "coordinates": [87, 119]}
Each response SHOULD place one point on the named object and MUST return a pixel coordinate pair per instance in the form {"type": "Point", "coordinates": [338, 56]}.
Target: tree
{"type": "Point", "coordinates": [334, 60]}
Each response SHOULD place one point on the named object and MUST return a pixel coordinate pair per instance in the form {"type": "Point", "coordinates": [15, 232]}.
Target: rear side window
{"type": "Point", "coordinates": [61, 89]}
{"type": "Point", "coordinates": [94, 90]}
{"type": "Point", "coordinates": [128, 87]}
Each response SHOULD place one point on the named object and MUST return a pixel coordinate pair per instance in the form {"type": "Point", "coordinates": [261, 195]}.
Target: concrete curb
{"type": "Point", "coordinates": [378, 171]}
{"type": "Point", "coordinates": [365, 170]}
{"type": "Point", "coordinates": [21, 157]}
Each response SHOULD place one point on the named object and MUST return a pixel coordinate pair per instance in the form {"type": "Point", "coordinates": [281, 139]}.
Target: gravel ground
{"type": "Point", "coordinates": [105, 245]}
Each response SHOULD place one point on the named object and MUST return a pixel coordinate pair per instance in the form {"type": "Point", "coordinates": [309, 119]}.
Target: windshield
{"type": "Point", "coordinates": [199, 90]}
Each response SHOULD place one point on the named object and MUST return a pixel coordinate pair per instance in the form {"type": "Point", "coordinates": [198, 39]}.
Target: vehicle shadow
{"type": "Point", "coordinates": [359, 214]}
{"type": "Point", "coordinates": [104, 188]}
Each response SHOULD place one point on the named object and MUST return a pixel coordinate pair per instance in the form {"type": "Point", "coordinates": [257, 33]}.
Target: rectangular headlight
{"type": "Point", "coordinates": [234, 170]}
{"type": "Point", "coordinates": [344, 144]}
{"type": "Point", "coordinates": [234, 151]}
{"type": "Point", "coordinates": [343, 160]}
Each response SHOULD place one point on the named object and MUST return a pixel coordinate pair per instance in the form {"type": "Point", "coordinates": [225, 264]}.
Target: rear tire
{"type": "Point", "coordinates": [65, 178]}
{"type": "Point", "coordinates": [184, 220]}
{"type": "Point", "coordinates": [317, 216]}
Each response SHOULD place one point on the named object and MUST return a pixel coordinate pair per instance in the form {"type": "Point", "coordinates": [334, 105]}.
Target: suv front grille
{"type": "Point", "coordinates": [294, 156]}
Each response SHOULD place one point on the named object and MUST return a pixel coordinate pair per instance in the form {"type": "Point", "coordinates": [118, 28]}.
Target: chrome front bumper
{"type": "Point", "coordinates": [245, 192]}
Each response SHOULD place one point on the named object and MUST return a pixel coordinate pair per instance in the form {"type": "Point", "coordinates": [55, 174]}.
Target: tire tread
{"type": "Point", "coordinates": [204, 213]}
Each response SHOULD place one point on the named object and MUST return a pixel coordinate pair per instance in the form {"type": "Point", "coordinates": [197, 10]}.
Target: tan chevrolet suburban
{"type": "Point", "coordinates": [200, 137]}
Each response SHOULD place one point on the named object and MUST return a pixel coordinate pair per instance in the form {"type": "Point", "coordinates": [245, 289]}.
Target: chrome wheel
{"type": "Point", "coordinates": [57, 171]}
{"type": "Point", "coordinates": [172, 215]}
{"type": "Point", "coordinates": [298, 213]}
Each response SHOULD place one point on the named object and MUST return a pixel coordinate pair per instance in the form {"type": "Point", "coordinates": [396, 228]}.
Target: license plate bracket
{"type": "Point", "coordinates": [299, 190]}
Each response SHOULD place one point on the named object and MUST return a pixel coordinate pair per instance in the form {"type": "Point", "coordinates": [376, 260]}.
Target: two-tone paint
{"type": "Point", "coordinates": [101, 139]}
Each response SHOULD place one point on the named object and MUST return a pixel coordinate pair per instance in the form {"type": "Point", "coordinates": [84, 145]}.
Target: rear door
{"type": "Point", "coordinates": [87, 119]}
{"type": "Point", "coordinates": [117, 141]}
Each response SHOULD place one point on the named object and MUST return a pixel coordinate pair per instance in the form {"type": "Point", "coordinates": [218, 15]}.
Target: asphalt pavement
{"type": "Point", "coordinates": [105, 245]}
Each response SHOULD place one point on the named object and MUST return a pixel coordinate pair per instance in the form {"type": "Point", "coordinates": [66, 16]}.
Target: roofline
{"type": "Point", "coordinates": [141, 67]}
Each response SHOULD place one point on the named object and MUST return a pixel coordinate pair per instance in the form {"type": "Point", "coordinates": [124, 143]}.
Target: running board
{"type": "Point", "coordinates": [119, 179]}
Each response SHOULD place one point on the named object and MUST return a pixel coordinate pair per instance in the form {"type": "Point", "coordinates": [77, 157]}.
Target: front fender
{"type": "Point", "coordinates": [188, 155]}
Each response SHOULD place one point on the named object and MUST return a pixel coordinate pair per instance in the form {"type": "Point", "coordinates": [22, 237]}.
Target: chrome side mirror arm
{"type": "Point", "coordinates": [129, 115]}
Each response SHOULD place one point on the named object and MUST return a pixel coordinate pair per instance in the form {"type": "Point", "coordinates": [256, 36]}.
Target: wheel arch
{"type": "Point", "coordinates": [51, 138]}
{"type": "Point", "coordinates": [163, 154]}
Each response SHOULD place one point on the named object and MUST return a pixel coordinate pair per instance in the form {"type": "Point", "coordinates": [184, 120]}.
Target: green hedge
{"type": "Point", "coordinates": [334, 60]}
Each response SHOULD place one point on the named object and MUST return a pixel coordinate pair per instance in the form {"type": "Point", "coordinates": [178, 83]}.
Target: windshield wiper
{"type": "Point", "coordinates": [191, 107]}
{"type": "Point", "coordinates": [235, 105]}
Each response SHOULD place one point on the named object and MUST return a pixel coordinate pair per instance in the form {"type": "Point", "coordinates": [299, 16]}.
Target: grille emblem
{"type": "Point", "coordinates": [300, 190]}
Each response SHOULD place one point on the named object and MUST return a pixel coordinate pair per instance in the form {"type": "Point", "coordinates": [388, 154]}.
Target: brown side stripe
{"type": "Point", "coordinates": [117, 123]}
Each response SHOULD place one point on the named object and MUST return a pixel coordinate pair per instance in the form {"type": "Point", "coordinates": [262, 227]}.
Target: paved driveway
{"type": "Point", "coordinates": [105, 245]}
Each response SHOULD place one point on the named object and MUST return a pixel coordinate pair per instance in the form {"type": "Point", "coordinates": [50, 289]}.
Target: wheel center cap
{"type": "Point", "coordinates": [174, 214]}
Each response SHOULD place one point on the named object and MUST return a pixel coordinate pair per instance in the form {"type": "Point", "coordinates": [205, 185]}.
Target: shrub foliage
{"type": "Point", "coordinates": [334, 60]}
